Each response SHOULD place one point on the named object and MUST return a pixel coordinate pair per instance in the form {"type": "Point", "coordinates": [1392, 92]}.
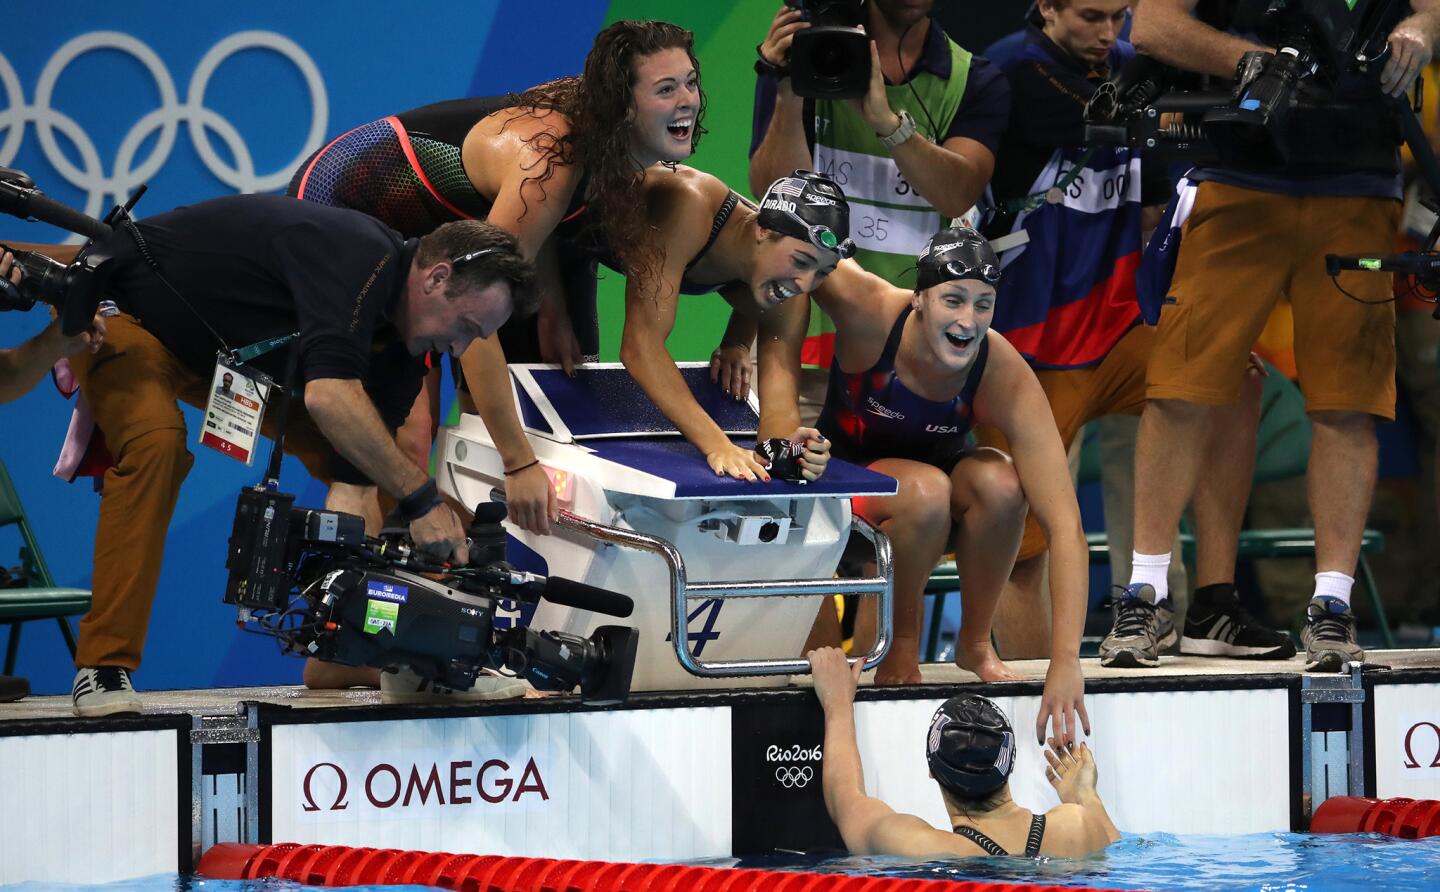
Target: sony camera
{"type": "Point", "coordinates": [74, 291]}
{"type": "Point", "coordinates": [312, 580]}
{"type": "Point", "coordinates": [831, 58]}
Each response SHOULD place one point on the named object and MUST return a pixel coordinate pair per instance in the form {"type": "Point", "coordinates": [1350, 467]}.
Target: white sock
{"type": "Point", "coordinates": [1334, 584]}
{"type": "Point", "coordinates": [1152, 569]}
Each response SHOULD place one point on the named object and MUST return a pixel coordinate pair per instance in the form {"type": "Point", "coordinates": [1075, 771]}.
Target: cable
{"type": "Point", "coordinates": [909, 82]}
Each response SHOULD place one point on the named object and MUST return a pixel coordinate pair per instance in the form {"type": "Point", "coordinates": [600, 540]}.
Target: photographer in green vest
{"type": "Point", "coordinates": [915, 151]}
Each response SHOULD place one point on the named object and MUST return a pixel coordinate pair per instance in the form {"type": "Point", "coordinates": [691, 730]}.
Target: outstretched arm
{"type": "Point", "coordinates": [868, 825]}
{"type": "Point", "coordinates": [1011, 399]}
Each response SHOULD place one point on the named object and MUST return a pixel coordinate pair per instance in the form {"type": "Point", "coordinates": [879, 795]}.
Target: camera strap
{"type": "Point", "coordinates": [128, 223]}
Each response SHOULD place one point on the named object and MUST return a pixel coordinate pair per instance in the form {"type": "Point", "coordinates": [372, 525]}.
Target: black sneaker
{"type": "Point", "coordinates": [1217, 626]}
{"type": "Point", "coordinates": [104, 690]}
{"type": "Point", "coordinates": [1329, 636]}
{"type": "Point", "coordinates": [1142, 628]}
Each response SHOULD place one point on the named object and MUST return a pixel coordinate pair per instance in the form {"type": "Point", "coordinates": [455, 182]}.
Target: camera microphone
{"type": "Point", "coordinates": [557, 590]}
{"type": "Point", "coordinates": [570, 593]}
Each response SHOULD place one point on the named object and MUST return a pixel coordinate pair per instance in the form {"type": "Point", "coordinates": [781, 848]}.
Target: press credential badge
{"type": "Point", "coordinates": [234, 410]}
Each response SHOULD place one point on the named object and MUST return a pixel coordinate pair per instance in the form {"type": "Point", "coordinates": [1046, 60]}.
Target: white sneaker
{"type": "Point", "coordinates": [104, 690]}
{"type": "Point", "coordinates": [405, 686]}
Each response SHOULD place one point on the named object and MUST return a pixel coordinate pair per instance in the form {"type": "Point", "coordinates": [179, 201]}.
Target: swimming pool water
{"type": "Point", "coordinates": [1263, 862]}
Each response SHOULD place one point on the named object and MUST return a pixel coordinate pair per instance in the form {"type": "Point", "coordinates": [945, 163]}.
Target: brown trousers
{"type": "Point", "coordinates": [132, 386]}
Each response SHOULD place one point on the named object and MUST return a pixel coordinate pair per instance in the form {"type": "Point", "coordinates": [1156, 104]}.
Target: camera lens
{"type": "Point", "coordinates": [768, 531]}
{"type": "Point", "coordinates": [830, 59]}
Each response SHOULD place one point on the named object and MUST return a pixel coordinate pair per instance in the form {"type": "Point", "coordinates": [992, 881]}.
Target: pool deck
{"type": "Point", "coordinates": [219, 701]}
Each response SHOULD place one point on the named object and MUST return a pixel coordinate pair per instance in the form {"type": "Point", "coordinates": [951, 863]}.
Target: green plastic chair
{"type": "Point", "coordinates": [42, 599]}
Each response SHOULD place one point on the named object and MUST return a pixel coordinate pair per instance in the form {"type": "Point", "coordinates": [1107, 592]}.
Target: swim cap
{"type": "Point", "coordinates": [970, 748]}
{"type": "Point", "coordinates": [956, 253]}
{"type": "Point", "coordinates": [809, 206]}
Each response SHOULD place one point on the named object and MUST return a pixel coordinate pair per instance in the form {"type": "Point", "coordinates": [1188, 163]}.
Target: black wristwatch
{"type": "Point", "coordinates": [765, 68]}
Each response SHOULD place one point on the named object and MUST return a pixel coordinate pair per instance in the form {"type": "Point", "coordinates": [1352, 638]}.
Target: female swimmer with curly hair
{"type": "Point", "coordinates": [540, 164]}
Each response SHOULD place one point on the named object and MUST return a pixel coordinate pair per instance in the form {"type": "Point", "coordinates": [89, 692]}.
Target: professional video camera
{"type": "Point", "coordinates": [312, 580]}
{"type": "Point", "coordinates": [1283, 110]}
{"type": "Point", "coordinates": [831, 58]}
{"type": "Point", "coordinates": [74, 290]}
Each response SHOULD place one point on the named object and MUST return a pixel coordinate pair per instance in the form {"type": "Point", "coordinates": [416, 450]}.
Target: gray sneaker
{"type": "Point", "coordinates": [405, 686]}
{"type": "Point", "coordinates": [1141, 631]}
{"type": "Point", "coordinates": [104, 690]}
{"type": "Point", "coordinates": [1329, 636]}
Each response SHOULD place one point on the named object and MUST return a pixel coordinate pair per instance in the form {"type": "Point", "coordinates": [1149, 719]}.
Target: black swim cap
{"type": "Point", "coordinates": [956, 253]}
{"type": "Point", "coordinates": [809, 206]}
{"type": "Point", "coordinates": [970, 747]}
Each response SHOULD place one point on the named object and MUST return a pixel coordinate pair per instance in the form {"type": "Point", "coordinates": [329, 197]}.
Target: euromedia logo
{"type": "Point", "coordinates": [409, 784]}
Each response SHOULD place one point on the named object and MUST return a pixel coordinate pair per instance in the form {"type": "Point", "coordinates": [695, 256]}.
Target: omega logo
{"type": "Point", "coordinates": [449, 783]}
{"type": "Point", "coordinates": [1410, 742]}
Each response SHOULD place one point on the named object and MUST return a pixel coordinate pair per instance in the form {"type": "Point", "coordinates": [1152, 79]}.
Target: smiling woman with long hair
{"type": "Point", "coordinates": [542, 164]}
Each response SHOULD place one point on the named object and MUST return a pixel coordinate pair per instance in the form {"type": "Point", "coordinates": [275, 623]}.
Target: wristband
{"type": "Point", "coordinates": [524, 467]}
{"type": "Point", "coordinates": [765, 68]}
{"type": "Point", "coordinates": [419, 503]}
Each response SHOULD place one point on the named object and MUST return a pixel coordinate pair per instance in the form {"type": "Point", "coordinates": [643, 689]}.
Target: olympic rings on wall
{"type": "Point", "coordinates": [126, 171]}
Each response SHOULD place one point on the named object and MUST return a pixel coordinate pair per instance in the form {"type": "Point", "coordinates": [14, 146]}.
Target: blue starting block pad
{"type": "Point", "coordinates": [603, 411]}
{"type": "Point", "coordinates": [602, 400]}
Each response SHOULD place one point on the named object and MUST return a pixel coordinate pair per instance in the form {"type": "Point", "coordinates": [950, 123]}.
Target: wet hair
{"type": "Point", "coordinates": [598, 105]}
{"type": "Point", "coordinates": [498, 260]}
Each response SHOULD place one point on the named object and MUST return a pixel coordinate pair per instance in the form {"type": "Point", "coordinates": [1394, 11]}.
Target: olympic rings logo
{"type": "Point", "coordinates": [127, 173]}
{"type": "Point", "coordinates": [792, 777]}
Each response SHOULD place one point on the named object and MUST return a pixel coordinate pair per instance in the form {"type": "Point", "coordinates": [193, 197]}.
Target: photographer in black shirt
{"type": "Point", "coordinates": [330, 299]}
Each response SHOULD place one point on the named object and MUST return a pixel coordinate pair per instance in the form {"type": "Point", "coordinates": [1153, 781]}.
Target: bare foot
{"type": "Point", "coordinates": [982, 660]}
{"type": "Point", "coordinates": [886, 674]}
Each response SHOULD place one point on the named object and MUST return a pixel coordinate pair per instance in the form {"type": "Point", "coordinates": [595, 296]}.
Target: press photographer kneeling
{"type": "Point", "coordinates": [270, 286]}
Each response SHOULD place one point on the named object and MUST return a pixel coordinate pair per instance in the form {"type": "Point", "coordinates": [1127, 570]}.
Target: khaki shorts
{"type": "Point", "coordinates": [1242, 250]}
{"type": "Point", "coordinates": [1078, 396]}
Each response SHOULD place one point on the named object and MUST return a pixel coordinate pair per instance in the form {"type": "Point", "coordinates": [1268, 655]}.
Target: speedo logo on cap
{"type": "Point", "coordinates": [819, 201]}
{"type": "Point", "coordinates": [778, 204]}
{"type": "Point", "coordinates": [941, 249]}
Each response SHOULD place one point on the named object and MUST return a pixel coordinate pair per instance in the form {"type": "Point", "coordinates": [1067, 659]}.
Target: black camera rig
{"type": "Point", "coordinates": [74, 290]}
{"type": "Point", "coordinates": [1253, 125]}
{"type": "Point", "coordinates": [312, 580]}
{"type": "Point", "coordinates": [1265, 119]}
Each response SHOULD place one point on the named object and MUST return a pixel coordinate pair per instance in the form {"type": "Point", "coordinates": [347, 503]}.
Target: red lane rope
{"type": "Point", "coordinates": [315, 865]}
{"type": "Point", "coordinates": [1405, 818]}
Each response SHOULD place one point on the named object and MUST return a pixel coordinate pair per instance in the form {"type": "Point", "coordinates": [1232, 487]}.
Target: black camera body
{"type": "Point", "coordinates": [831, 58]}
{"type": "Point", "coordinates": [74, 291]}
{"type": "Point", "coordinates": [312, 580]}
{"type": "Point", "coordinates": [1317, 43]}
{"type": "Point", "coordinates": [1284, 113]}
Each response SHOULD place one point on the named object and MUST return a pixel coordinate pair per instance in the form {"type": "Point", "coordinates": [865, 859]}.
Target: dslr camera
{"type": "Point", "coordinates": [831, 58]}
{"type": "Point", "coordinates": [312, 580]}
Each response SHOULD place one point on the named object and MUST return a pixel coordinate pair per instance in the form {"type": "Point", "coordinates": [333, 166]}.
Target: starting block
{"type": "Point", "coordinates": [725, 574]}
